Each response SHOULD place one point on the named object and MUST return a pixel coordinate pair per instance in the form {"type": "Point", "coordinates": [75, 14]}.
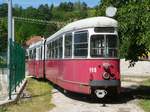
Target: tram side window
{"type": "Point", "coordinates": [97, 46]}
{"type": "Point", "coordinates": [111, 45]}
{"type": "Point", "coordinates": [68, 45]}
{"type": "Point", "coordinates": [30, 54]}
{"type": "Point", "coordinates": [34, 53]}
{"type": "Point", "coordinates": [41, 52]}
{"type": "Point", "coordinates": [81, 44]}
{"type": "Point", "coordinates": [55, 48]}
{"type": "Point", "coordinates": [60, 47]}
{"type": "Point", "coordinates": [38, 53]}
{"type": "Point", "coordinates": [49, 51]}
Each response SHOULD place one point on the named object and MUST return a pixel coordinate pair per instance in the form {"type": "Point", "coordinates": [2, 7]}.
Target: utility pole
{"type": "Point", "coordinates": [9, 39]}
{"type": "Point", "coordinates": [13, 29]}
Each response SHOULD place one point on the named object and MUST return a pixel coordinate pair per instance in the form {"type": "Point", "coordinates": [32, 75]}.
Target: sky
{"type": "Point", "coordinates": [36, 3]}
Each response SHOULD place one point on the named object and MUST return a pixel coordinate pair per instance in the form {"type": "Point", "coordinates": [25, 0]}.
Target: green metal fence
{"type": "Point", "coordinates": [16, 67]}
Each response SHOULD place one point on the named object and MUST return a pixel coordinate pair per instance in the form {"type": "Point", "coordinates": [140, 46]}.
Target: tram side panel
{"type": "Point", "coordinates": [81, 75]}
{"type": "Point", "coordinates": [78, 75]}
{"type": "Point", "coordinates": [67, 79]}
{"type": "Point", "coordinates": [30, 67]}
{"type": "Point", "coordinates": [51, 70]}
{"type": "Point", "coordinates": [39, 69]}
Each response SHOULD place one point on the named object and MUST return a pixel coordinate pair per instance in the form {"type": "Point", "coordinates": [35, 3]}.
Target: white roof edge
{"type": "Point", "coordinates": [100, 21]}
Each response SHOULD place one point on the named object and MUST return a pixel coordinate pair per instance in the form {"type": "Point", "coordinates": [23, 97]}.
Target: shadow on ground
{"type": "Point", "coordinates": [128, 94]}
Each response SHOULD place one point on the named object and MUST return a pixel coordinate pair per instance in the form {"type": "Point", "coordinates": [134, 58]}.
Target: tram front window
{"type": "Point", "coordinates": [103, 46]}
{"type": "Point", "coordinates": [97, 46]}
{"type": "Point", "coordinates": [111, 45]}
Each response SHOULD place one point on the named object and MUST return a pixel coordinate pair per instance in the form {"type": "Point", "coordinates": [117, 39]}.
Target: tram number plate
{"type": "Point", "coordinates": [92, 70]}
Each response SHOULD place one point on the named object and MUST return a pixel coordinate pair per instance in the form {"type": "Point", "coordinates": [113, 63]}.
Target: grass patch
{"type": "Point", "coordinates": [145, 104]}
{"type": "Point", "coordinates": [40, 100]}
{"type": "Point", "coordinates": [145, 101]}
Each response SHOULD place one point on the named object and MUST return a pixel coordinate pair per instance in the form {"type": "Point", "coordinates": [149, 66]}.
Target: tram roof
{"type": "Point", "coordinates": [86, 23]}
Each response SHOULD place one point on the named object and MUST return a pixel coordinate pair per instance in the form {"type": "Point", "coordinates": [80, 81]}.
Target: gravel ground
{"type": "Point", "coordinates": [72, 102]}
{"type": "Point", "coordinates": [81, 103]}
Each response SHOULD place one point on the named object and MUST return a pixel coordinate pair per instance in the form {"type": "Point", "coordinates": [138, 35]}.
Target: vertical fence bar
{"type": "Point", "coordinates": [9, 67]}
{"type": "Point", "coordinates": [14, 64]}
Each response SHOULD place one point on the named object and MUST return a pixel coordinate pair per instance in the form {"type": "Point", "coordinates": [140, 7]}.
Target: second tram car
{"type": "Point", "coordinates": [81, 57]}
{"type": "Point", "coordinates": [36, 64]}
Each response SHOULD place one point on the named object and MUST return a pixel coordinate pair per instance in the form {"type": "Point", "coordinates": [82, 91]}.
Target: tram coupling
{"type": "Point", "coordinates": [100, 93]}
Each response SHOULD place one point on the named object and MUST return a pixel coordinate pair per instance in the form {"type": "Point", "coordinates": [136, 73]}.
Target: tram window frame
{"type": "Point", "coordinates": [106, 49]}
{"type": "Point", "coordinates": [100, 49]}
{"type": "Point", "coordinates": [68, 46]}
{"type": "Point", "coordinates": [81, 44]}
{"type": "Point", "coordinates": [112, 48]}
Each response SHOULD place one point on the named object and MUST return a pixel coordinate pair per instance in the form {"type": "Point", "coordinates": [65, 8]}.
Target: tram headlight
{"type": "Point", "coordinates": [106, 76]}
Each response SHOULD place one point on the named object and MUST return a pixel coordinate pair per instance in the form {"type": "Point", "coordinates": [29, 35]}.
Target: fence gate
{"type": "Point", "coordinates": [16, 67]}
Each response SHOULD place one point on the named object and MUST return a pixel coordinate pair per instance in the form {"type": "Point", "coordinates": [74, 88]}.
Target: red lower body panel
{"type": "Point", "coordinates": [36, 68]}
{"type": "Point", "coordinates": [75, 75]}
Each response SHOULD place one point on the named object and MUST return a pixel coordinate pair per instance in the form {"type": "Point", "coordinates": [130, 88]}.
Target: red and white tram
{"type": "Point", "coordinates": [81, 57]}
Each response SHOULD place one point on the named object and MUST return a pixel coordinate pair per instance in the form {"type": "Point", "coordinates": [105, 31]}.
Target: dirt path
{"type": "Point", "coordinates": [81, 103]}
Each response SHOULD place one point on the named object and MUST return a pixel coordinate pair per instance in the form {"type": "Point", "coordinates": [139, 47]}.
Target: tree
{"type": "Point", "coordinates": [17, 10]}
{"type": "Point", "coordinates": [3, 10]}
{"type": "Point", "coordinates": [44, 12]}
{"type": "Point", "coordinates": [30, 12]}
{"type": "Point", "coordinates": [66, 11]}
{"type": "Point", "coordinates": [3, 35]}
{"type": "Point", "coordinates": [134, 24]}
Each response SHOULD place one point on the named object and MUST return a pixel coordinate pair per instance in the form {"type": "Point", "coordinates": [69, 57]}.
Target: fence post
{"type": "Point", "coordinates": [9, 67]}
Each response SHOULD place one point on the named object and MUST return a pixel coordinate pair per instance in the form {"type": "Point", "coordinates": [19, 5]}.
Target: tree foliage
{"type": "Point", "coordinates": [133, 17]}
{"type": "Point", "coordinates": [134, 26]}
{"type": "Point", "coordinates": [65, 11]}
{"type": "Point", "coordinates": [3, 35]}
